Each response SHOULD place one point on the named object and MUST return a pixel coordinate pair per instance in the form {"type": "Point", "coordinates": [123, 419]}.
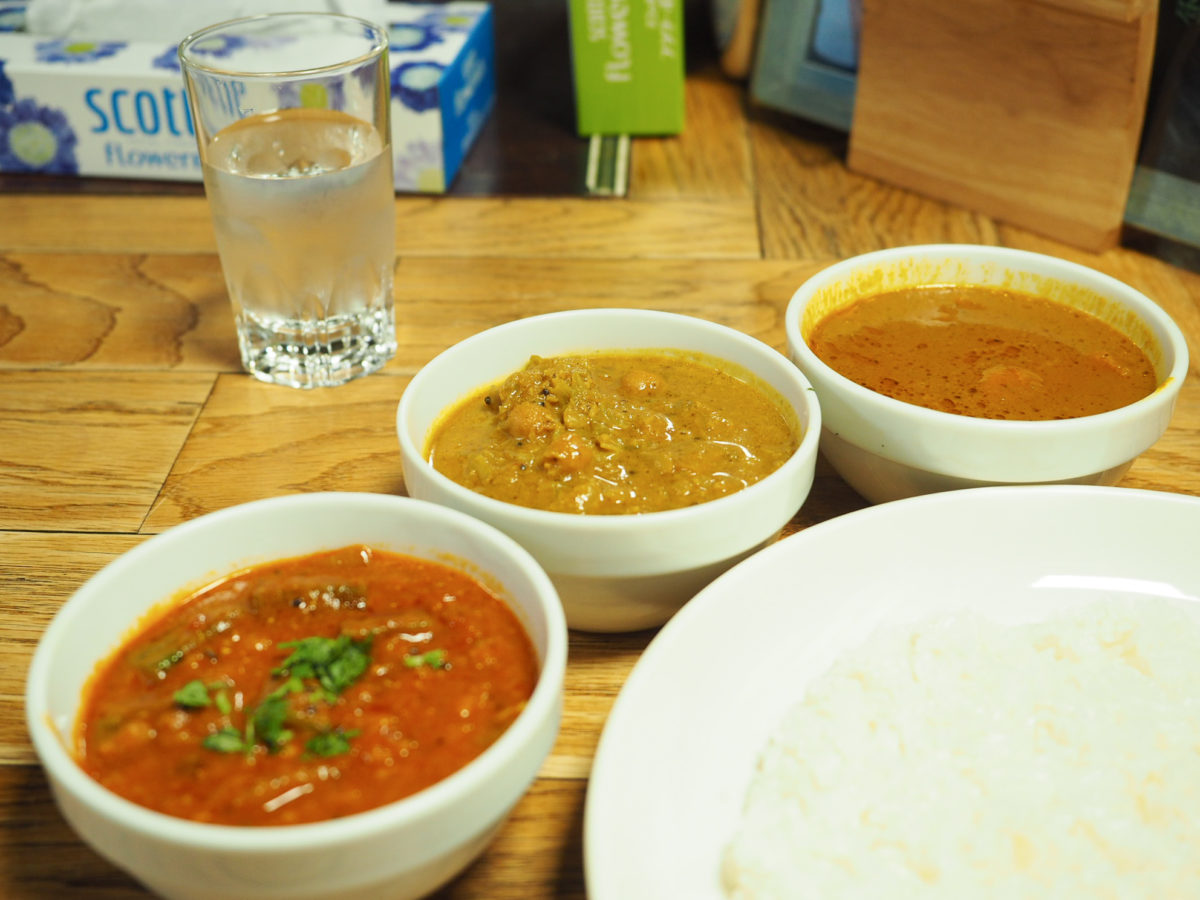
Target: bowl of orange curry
{"type": "Point", "coordinates": [951, 366]}
{"type": "Point", "coordinates": [637, 454]}
{"type": "Point", "coordinates": [316, 696]}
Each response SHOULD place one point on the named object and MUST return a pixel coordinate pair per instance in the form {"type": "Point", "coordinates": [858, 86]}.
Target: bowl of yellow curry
{"type": "Point", "coordinates": [951, 366]}
{"type": "Point", "coordinates": [311, 697]}
{"type": "Point", "coordinates": [637, 454]}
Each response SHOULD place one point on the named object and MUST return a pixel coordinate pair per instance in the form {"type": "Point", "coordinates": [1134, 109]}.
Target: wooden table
{"type": "Point", "coordinates": [123, 410]}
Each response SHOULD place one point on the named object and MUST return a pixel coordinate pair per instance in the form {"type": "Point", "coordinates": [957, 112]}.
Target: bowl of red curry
{"type": "Point", "coordinates": [951, 366]}
{"type": "Point", "coordinates": [316, 696]}
{"type": "Point", "coordinates": [637, 454]}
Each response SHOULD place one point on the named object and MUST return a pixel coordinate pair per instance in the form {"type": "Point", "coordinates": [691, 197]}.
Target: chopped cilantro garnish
{"type": "Point", "coordinates": [193, 695]}
{"type": "Point", "coordinates": [335, 663]}
{"type": "Point", "coordinates": [227, 740]}
{"type": "Point", "coordinates": [330, 743]}
{"type": "Point", "coordinates": [266, 724]}
{"type": "Point", "coordinates": [435, 659]}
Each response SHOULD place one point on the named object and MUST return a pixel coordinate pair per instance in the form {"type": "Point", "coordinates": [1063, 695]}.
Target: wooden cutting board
{"type": "Point", "coordinates": [1029, 111]}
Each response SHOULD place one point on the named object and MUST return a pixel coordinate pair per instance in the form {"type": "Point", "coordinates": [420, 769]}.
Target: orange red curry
{"type": "Point", "coordinates": [307, 689]}
{"type": "Point", "coordinates": [985, 352]}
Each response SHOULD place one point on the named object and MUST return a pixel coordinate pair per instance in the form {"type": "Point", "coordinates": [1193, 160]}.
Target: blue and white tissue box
{"type": "Point", "coordinates": [443, 63]}
{"type": "Point", "coordinates": [118, 109]}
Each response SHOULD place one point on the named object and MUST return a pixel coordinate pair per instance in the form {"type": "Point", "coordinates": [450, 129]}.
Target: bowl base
{"type": "Point", "coordinates": [605, 604]}
{"type": "Point", "coordinates": [880, 480]}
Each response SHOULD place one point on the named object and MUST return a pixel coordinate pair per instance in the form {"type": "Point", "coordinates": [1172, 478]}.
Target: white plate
{"type": "Point", "coordinates": [680, 745]}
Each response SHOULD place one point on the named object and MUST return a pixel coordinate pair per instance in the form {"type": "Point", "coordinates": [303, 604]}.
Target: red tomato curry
{"type": "Point", "coordinates": [307, 689]}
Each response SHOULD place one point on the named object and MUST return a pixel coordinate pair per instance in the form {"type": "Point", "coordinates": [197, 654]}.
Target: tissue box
{"type": "Point", "coordinates": [118, 108]}
{"type": "Point", "coordinates": [628, 64]}
{"type": "Point", "coordinates": [443, 62]}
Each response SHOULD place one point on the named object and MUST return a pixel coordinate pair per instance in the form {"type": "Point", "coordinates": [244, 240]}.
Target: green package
{"type": "Point", "coordinates": [628, 61]}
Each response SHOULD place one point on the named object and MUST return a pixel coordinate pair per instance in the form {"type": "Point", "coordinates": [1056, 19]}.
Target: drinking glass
{"type": "Point", "coordinates": [290, 112]}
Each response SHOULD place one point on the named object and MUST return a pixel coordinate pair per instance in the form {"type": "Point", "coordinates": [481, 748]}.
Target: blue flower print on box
{"type": "Point", "coordinates": [217, 46]}
{"type": "Point", "coordinates": [168, 59]}
{"type": "Point", "coordinates": [12, 16]}
{"type": "Point", "coordinates": [448, 19]}
{"type": "Point", "coordinates": [326, 93]}
{"type": "Point", "coordinates": [7, 94]}
{"type": "Point", "coordinates": [415, 84]}
{"type": "Point", "coordinates": [408, 38]}
{"type": "Point", "coordinates": [68, 51]}
{"type": "Point", "coordinates": [36, 139]}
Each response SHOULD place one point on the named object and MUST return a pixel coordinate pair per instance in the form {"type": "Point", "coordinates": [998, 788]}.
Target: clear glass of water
{"type": "Point", "coordinates": [291, 117]}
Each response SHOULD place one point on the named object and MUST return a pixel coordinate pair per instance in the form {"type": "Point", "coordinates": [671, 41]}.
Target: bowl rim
{"type": "Point", "coordinates": [605, 523]}
{"type": "Point", "coordinates": [1144, 307]}
{"type": "Point", "coordinates": [62, 768]}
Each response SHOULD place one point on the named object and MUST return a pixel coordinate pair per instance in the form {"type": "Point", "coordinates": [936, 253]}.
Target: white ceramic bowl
{"type": "Point", "coordinates": [402, 850]}
{"type": "Point", "coordinates": [615, 573]}
{"type": "Point", "coordinates": [887, 449]}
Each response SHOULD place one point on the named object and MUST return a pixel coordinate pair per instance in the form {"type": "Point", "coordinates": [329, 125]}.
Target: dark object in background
{"type": "Point", "coordinates": [1164, 199]}
{"type": "Point", "coordinates": [528, 145]}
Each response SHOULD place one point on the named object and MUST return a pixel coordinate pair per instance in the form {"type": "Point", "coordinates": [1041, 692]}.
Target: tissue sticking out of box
{"type": "Point", "coordinates": [168, 20]}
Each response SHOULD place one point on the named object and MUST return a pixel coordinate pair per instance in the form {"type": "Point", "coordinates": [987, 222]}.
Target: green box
{"type": "Point", "coordinates": [628, 62]}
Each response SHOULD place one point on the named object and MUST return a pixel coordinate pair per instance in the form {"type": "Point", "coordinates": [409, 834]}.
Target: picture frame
{"type": "Point", "coordinates": [806, 63]}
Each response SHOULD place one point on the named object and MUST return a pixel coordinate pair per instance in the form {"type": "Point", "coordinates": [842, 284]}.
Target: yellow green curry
{"type": "Point", "coordinates": [611, 433]}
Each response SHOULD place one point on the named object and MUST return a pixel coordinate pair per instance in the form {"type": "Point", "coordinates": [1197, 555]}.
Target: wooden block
{"type": "Point", "coordinates": [737, 31]}
{"type": "Point", "coordinates": [1029, 111]}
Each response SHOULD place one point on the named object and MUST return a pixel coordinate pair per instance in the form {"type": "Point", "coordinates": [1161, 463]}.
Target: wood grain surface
{"type": "Point", "coordinates": [1029, 111]}
{"type": "Point", "coordinates": [123, 410]}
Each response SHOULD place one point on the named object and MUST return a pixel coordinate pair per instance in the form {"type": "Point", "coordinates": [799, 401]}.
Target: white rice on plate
{"type": "Point", "coordinates": [960, 758]}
